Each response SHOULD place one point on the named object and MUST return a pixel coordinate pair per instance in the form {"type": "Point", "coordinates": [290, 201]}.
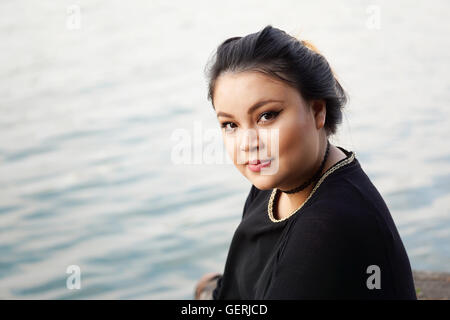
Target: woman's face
{"type": "Point", "coordinates": [284, 129]}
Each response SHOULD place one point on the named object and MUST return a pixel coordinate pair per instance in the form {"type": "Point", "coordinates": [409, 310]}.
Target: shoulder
{"type": "Point", "coordinates": [340, 228]}
{"type": "Point", "coordinates": [352, 188]}
{"type": "Point", "coordinates": [252, 195]}
{"type": "Point", "coordinates": [253, 192]}
{"type": "Point", "coordinates": [343, 212]}
{"type": "Point", "coordinates": [343, 218]}
{"type": "Point", "coordinates": [339, 221]}
{"type": "Point", "coordinates": [329, 248]}
{"type": "Point", "coordinates": [352, 198]}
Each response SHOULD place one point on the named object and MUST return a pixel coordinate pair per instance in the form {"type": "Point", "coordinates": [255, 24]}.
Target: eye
{"type": "Point", "coordinates": [225, 126]}
{"type": "Point", "coordinates": [269, 115]}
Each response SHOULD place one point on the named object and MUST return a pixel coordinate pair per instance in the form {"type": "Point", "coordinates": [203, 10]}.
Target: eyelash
{"type": "Point", "coordinates": [274, 113]}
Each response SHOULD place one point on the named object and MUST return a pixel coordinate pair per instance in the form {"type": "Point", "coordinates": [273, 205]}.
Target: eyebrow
{"type": "Point", "coordinates": [251, 109]}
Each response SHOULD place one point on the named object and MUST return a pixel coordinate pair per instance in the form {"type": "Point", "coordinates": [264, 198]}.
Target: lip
{"type": "Point", "coordinates": [256, 165]}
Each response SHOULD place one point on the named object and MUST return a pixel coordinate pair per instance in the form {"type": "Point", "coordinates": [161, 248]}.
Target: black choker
{"type": "Point", "coordinates": [315, 177]}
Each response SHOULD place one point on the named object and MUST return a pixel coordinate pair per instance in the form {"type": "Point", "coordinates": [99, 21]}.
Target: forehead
{"type": "Point", "coordinates": [244, 88]}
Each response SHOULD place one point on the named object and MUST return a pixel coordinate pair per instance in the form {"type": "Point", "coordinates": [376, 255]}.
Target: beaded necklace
{"type": "Point", "coordinates": [274, 193]}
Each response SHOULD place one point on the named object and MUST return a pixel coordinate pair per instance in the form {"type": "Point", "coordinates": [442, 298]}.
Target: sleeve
{"type": "Point", "coordinates": [326, 257]}
{"type": "Point", "coordinates": [250, 197]}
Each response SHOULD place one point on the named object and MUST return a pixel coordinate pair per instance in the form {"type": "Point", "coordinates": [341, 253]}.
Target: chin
{"type": "Point", "coordinates": [262, 182]}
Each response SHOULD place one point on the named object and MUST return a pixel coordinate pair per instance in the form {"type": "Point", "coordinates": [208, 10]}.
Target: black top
{"type": "Point", "coordinates": [324, 250]}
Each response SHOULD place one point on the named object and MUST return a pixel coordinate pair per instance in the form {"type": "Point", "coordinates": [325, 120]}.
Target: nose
{"type": "Point", "coordinates": [249, 140]}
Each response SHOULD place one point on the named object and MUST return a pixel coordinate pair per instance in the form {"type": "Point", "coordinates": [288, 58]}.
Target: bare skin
{"type": "Point", "coordinates": [289, 202]}
{"type": "Point", "coordinates": [300, 123]}
{"type": "Point", "coordinates": [202, 283]}
{"type": "Point", "coordinates": [300, 145]}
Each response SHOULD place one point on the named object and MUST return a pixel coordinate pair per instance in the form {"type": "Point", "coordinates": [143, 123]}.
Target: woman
{"type": "Point", "coordinates": [313, 225]}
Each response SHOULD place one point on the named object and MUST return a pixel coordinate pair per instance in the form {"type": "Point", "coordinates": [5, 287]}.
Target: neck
{"type": "Point", "coordinates": [293, 200]}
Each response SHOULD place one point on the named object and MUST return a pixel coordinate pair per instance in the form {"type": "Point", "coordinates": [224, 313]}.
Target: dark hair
{"type": "Point", "coordinates": [274, 52]}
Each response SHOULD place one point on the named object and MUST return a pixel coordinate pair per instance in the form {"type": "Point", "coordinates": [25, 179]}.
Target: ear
{"type": "Point", "coordinates": [319, 110]}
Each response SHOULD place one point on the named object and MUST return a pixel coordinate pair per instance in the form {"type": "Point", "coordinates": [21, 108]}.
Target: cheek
{"type": "Point", "coordinates": [232, 148]}
{"type": "Point", "coordinates": [294, 138]}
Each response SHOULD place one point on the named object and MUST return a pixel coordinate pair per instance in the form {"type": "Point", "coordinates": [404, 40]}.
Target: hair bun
{"type": "Point", "coordinates": [309, 45]}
